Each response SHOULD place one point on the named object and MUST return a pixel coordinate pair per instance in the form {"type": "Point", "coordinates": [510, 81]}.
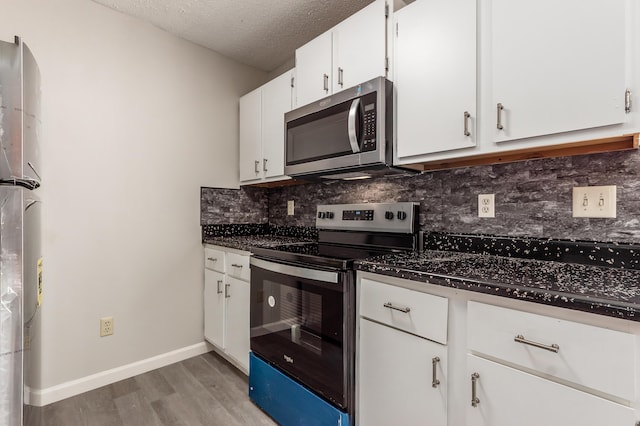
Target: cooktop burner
{"type": "Point", "coordinates": [350, 232]}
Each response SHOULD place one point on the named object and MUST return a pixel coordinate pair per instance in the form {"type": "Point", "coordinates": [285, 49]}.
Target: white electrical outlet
{"type": "Point", "coordinates": [594, 201]}
{"type": "Point", "coordinates": [106, 326]}
{"type": "Point", "coordinates": [486, 205]}
{"type": "Point", "coordinates": [290, 207]}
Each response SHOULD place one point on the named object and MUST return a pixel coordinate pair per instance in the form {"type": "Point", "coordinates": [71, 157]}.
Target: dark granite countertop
{"type": "Point", "coordinates": [246, 242]}
{"type": "Point", "coordinates": [592, 287]}
{"type": "Point", "coordinates": [601, 290]}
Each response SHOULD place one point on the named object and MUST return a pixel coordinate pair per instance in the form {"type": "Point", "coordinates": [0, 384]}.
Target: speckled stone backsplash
{"type": "Point", "coordinates": [533, 198]}
{"type": "Point", "coordinates": [221, 206]}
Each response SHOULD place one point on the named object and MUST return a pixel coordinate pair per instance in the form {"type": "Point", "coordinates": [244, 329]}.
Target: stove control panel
{"type": "Point", "coordinates": [377, 217]}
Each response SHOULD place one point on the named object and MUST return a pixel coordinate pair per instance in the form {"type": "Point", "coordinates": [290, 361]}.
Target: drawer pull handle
{"type": "Point", "coordinates": [226, 291]}
{"type": "Point", "coordinates": [434, 380]}
{"type": "Point", "coordinates": [235, 265]}
{"type": "Point", "coordinates": [212, 259]}
{"type": "Point", "coordinates": [219, 282]}
{"type": "Point", "coordinates": [499, 125]}
{"type": "Point", "coordinates": [553, 348]}
{"type": "Point", "coordinates": [474, 397]}
{"type": "Point", "coordinates": [395, 308]}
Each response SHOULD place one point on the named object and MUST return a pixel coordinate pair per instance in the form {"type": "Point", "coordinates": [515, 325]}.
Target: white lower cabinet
{"type": "Point", "coordinates": [402, 378]}
{"type": "Point", "coordinates": [214, 302]}
{"type": "Point", "coordinates": [402, 356]}
{"type": "Point", "coordinates": [494, 361]}
{"type": "Point", "coordinates": [226, 303]}
{"type": "Point", "coordinates": [237, 321]}
{"type": "Point", "coordinates": [507, 397]}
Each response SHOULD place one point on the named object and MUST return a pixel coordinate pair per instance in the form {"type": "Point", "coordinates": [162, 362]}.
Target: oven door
{"type": "Point", "coordinates": [298, 325]}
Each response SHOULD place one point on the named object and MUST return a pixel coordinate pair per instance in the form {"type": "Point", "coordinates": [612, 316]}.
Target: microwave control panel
{"type": "Point", "coordinates": [369, 125]}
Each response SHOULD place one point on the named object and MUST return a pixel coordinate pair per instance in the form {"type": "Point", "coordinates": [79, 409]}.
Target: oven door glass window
{"type": "Point", "coordinates": [297, 324]}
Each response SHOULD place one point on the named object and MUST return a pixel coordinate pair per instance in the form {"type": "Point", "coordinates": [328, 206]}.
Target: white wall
{"type": "Point", "coordinates": [135, 121]}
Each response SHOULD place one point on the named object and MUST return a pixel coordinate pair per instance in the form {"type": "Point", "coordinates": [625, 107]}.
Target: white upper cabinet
{"type": "Point", "coordinates": [313, 70]}
{"type": "Point", "coordinates": [276, 101]}
{"type": "Point", "coordinates": [262, 130]}
{"type": "Point", "coordinates": [250, 135]}
{"type": "Point", "coordinates": [359, 47]}
{"type": "Point", "coordinates": [352, 52]}
{"type": "Point", "coordinates": [555, 66]}
{"type": "Point", "coordinates": [435, 77]}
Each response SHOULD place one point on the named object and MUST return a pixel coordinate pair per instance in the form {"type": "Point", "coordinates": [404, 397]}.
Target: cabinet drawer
{"type": "Point", "coordinates": [415, 312]}
{"type": "Point", "coordinates": [237, 265]}
{"type": "Point", "coordinates": [590, 356]}
{"type": "Point", "coordinates": [214, 259]}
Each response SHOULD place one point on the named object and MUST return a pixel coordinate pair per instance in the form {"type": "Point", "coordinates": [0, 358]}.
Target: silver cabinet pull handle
{"type": "Point", "coordinates": [255, 166]}
{"type": "Point", "coordinates": [434, 379]}
{"type": "Point", "coordinates": [326, 82]}
{"type": "Point", "coordinates": [553, 348]}
{"type": "Point", "coordinates": [264, 164]}
{"type": "Point", "coordinates": [500, 108]}
{"type": "Point", "coordinates": [226, 291]}
{"type": "Point", "coordinates": [474, 396]}
{"type": "Point", "coordinates": [405, 310]}
{"type": "Point", "coordinates": [466, 123]}
{"type": "Point", "coordinates": [219, 290]}
{"type": "Point", "coordinates": [212, 259]}
{"type": "Point", "coordinates": [340, 79]}
{"type": "Point", "coordinates": [235, 265]}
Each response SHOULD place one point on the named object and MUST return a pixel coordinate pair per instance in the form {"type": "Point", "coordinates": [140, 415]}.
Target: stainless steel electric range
{"type": "Point", "coordinates": [303, 311]}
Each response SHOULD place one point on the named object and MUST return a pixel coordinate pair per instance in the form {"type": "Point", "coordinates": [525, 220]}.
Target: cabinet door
{"type": "Point", "coordinates": [276, 101]}
{"type": "Point", "coordinates": [395, 375]}
{"type": "Point", "coordinates": [359, 47]}
{"type": "Point", "coordinates": [237, 322]}
{"type": "Point", "coordinates": [508, 396]}
{"type": "Point", "coordinates": [250, 136]}
{"type": "Point", "coordinates": [313, 63]}
{"type": "Point", "coordinates": [435, 76]}
{"type": "Point", "coordinates": [214, 307]}
{"type": "Point", "coordinates": [556, 66]}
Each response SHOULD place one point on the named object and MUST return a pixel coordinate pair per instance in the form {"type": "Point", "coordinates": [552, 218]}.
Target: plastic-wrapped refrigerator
{"type": "Point", "coordinates": [20, 255]}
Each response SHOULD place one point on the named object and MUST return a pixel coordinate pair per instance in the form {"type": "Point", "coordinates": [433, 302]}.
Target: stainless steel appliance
{"type": "Point", "coordinates": [303, 308]}
{"type": "Point", "coordinates": [20, 255]}
{"type": "Point", "coordinates": [348, 135]}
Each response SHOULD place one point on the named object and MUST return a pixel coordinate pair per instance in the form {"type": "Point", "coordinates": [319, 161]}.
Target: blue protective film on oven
{"type": "Point", "coordinates": [288, 402]}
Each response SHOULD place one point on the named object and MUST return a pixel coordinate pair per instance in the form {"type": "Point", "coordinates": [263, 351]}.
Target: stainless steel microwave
{"type": "Point", "coordinates": [348, 135]}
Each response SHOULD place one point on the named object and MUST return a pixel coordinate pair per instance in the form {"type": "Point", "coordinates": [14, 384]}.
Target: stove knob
{"type": "Point", "coordinates": [388, 215]}
{"type": "Point", "coordinates": [322, 215]}
{"type": "Point", "coordinates": [329, 215]}
{"type": "Point", "coordinates": [319, 215]}
{"type": "Point", "coordinates": [402, 215]}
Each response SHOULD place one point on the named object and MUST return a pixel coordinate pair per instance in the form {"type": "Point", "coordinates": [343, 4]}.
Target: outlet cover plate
{"type": "Point", "coordinates": [594, 201]}
{"type": "Point", "coordinates": [486, 205]}
{"type": "Point", "coordinates": [290, 207]}
{"type": "Point", "coordinates": [106, 326]}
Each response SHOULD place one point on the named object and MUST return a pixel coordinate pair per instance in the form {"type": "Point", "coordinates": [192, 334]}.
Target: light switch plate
{"type": "Point", "coordinates": [594, 201]}
{"type": "Point", "coordinates": [290, 207]}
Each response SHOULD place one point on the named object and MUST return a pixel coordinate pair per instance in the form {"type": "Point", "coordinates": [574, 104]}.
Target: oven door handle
{"type": "Point", "coordinates": [296, 271]}
{"type": "Point", "coordinates": [351, 126]}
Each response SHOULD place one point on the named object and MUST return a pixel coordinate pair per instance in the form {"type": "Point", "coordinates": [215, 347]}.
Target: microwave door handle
{"type": "Point", "coordinates": [353, 136]}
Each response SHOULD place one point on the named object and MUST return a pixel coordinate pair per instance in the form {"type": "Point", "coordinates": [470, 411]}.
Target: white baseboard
{"type": "Point", "coordinates": [55, 393]}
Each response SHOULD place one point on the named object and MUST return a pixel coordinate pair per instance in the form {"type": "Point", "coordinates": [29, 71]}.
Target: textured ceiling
{"type": "Point", "coordinates": [260, 33]}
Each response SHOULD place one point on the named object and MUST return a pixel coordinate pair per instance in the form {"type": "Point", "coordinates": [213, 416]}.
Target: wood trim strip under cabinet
{"type": "Point", "coordinates": [593, 146]}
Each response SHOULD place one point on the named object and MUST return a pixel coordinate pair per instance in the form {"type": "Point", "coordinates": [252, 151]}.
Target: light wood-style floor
{"type": "Point", "coordinates": [204, 390]}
